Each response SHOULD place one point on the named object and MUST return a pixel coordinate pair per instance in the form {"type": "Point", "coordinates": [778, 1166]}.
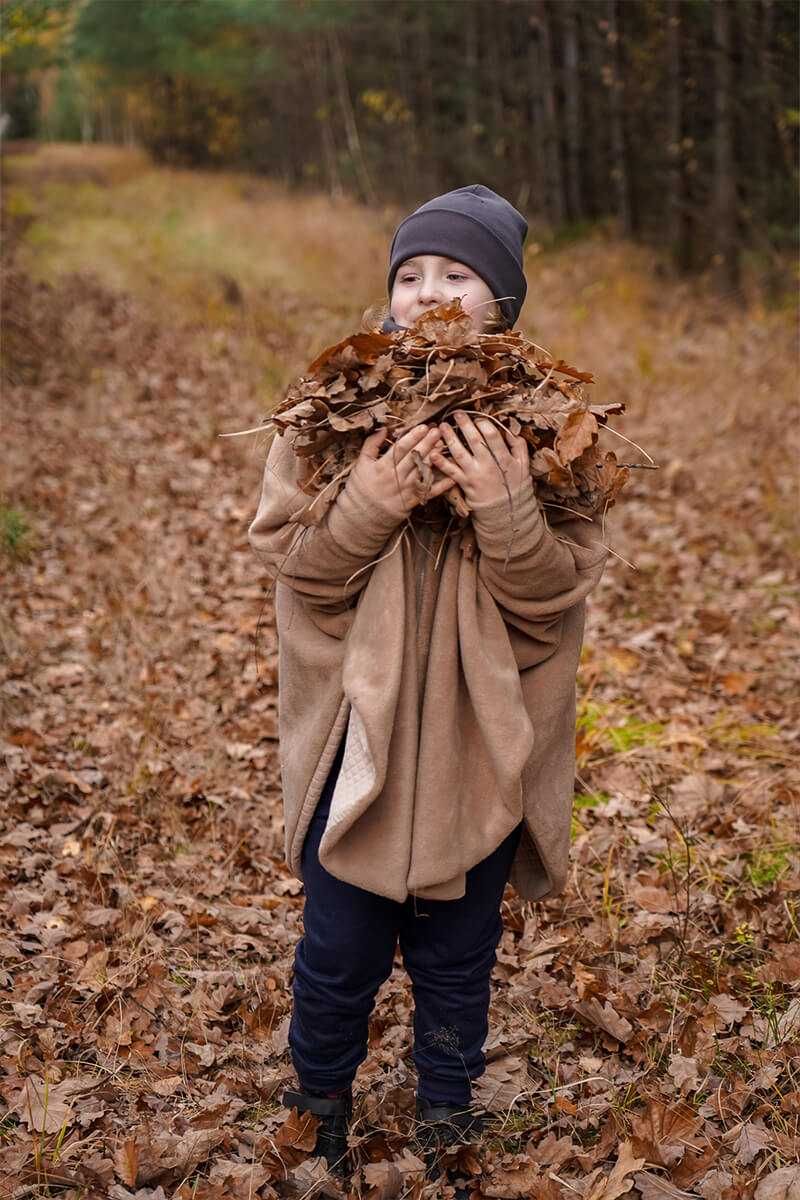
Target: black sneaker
{"type": "Point", "coordinates": [442, 1126]}
{"type": "Point", "coordinates": [334, 1121]}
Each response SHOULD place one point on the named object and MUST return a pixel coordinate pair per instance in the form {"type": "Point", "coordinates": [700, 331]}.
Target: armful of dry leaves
{"type": "Point", "coordinates": [397, 380]}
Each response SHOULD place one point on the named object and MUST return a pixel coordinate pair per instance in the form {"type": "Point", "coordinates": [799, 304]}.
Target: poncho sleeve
{"type": "Point", "coordinates": [317, 561]}
{"type": "Point", "coordinates": [545, 574]}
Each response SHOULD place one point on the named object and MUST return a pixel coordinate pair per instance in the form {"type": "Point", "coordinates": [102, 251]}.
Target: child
{"type": "Point", "coordinates": [426, 708]}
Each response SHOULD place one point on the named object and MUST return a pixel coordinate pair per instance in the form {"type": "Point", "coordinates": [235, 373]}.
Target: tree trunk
{"type": "Point", "coordinates": [762, 143]}
{"type": "Point", "coordinates": [677, 220]}
{"type": "Point", "coordinates": [726, 251]}
{"type": "Point", "coordinates": [556, 206]}
{"type": "Point", "coordinates": [538, 170]}
{"type": "Point", "coordinates": [619, 159]}
{"type": "Point", "coordinates": [428, 124]}
{"type": "Point", "coordinates": [472, 126]}
{"type": "Point", "coordinates": [405, 164]}
{"type": "Point", "coordinates": [598, 200]}
{"type": "Point", "coordinates": [323, 115]}
{"type": "Point", "coordinates": [493, 97]}
{"type": "Point", "coordinates": [349, 118]}
{"type": "Point", "coordinates": [572, 94]}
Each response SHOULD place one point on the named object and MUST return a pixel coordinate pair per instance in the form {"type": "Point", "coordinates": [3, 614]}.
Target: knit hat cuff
{"type": "Point", "coordinates": [465, 239]}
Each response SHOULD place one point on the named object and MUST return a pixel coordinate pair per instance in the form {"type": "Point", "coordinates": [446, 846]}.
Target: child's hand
{"type": "Point", "coordinates": [480, 471]}
{"type": "Point", "coordinates": [392, 479]}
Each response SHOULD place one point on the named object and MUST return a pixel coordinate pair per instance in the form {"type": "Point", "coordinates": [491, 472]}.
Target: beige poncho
{"type": "Point", "coordinates": [456, 684]}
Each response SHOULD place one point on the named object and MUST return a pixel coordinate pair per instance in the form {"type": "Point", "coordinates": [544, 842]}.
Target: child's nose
{"type": "Point", "coordinates": [430, 289]}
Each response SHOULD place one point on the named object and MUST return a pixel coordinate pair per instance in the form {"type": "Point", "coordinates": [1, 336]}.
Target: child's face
{"type": "Point", "coordinates": [427, 280]}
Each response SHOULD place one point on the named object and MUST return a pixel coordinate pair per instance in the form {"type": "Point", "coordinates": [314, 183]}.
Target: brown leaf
{"type": "Point", "coordinates": [388, 1180]}
{"type": "Point", "coordinates": [126, 1161]}
{"type": "Point", "coordinates": [425, 472]}
{"type": "Point", "coordinates": [43, 1106]}
{"type": "Point", "coordinates": [609, 1187]}
{"type": "Point", "coordinates": [729, 1010]}
{"type": "Point", "coordinates": [363, 419]}
{"type": "Point", "coordinates": [751, 1141]}
{"type": "Point", "coordinates": [102, 918]}
{"type": "Point", "coordinates": [238, 1180]}
{"type": "Point", "coordinates": [194, 1147]}
{"type": "Point", "coordinates": [685, 1073]}
{"type": "Point", "coordinates": [545, 463]}
{"type": "Point", "coordinates": [564, 369]}
{"type": "Point", "coordinates": [736, 683]}
{"type": "Point", "coordinates": [656, 1187]}
{"type": "Point", "coordinates": [576, 435]}
{"type": "Point", "coordinates": [513, 1184]}
{"type": "Point", "coordinates": [783, 1184]}
{"type": "Point", "coordinates": [552, 1151]}
{"type": "Point", "coordinates": [311, 1178]}
{"type": "Point", "coordinates": [664, 1132]}
{"type": "Point", "coordinates": [501, 1083]}
{"type": "Point", "coordinates": [606, 1017]}
{"type": "Point", "coordinates": [360, 347]}
{"type": "Point", "coordinates": [298, 1132]}
{"type": "Point", "coordinates": [654, 899]}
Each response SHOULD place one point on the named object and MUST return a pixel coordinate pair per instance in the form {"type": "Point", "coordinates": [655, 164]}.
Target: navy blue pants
{"type": "Point", "coordinates": [347, 951]}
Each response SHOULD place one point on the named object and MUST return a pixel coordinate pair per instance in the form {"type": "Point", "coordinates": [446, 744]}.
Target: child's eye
{"type": "Point", "coordinates": [450, 275]}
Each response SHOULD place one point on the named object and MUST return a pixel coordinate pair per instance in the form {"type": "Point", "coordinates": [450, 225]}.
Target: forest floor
{"type": "Point", "coordinates": [645, 1025]}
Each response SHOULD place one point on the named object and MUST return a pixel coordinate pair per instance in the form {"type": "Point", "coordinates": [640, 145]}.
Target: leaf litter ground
{"type": "Point", "coordinates": [645, 1026]}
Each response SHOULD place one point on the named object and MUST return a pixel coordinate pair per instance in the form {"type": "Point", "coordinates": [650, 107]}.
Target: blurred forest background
{"type": "Point", "coordinates": [677, 118]}
{"type": "Point", "coordinates": [198, 196]}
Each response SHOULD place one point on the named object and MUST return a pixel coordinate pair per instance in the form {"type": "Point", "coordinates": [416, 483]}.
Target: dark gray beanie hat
{"type": "Point", "coordinates": [475, 226]}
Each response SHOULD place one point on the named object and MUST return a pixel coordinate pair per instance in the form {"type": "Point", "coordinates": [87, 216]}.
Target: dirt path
{"type": "Point", "coordinates": [647, 1018]}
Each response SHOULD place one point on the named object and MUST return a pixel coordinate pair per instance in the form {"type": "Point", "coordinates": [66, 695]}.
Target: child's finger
{"type": "Point", "coordinates": [470, 431]}
{"type": "Point", "coordinates": [492, 435]}
{"type": "Point", "coordinates": [441, 486]}
{"type": "Point", "coordinates": [372, 444]}
{"type": "Point", "coordinates": [456, 447]}
{"type": "Point", "coordinates": [450, 468]}
{"type": "Point", "coordinates": [431, 438]}
{"type": "Point", "coordinates": [408, 442]}
{"type": "Point", "coordinates": [512, 438]}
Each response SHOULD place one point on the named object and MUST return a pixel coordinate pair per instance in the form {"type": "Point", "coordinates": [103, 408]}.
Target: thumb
{"type": "Point", "coordinates": [372, 444]}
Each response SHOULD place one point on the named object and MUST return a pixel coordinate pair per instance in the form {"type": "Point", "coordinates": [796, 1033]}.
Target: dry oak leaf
{"type": "Point", "coordinates": [238, 1178]}
{"type": "Point", "coordinates": [387, 1180]}
{"type": "Point", "coordinates": [654, 1187]}
{"type": "Point", "coordinates": [312, 1178]}
{"type": "Point", "coordinates": [575, 435]}
{"type": "Point", "coordinates": [784, 964]}
{"type": "Point", "coordinates": [99, 918]}
{"type": "Point", "coordinates": [605, 1017]}
{"type": "Point", "coordinates": [608, 1187]}
{"type": "Point", "coordinates": [685, 1073]}
{"type": "Point", "coordinates": [118, 1192]}
{"type": "Point", "coordinates": [43, 1106]}
{"type": "Point", "coordinates": [502, 1083]}
{"type": "Point", "coordinates": [751, 1141]}
{"type": "Point", "coordinates": [515, 1184]}
{"type": "Point", "coordinates": [728, 1009]}
{"type": "Point", "coordinates": [783, 1184]}
{"type": "Point", "coordinates": [126, 1161]}
{"type": "Point", "coordinates": [654, 899]}
{"type": "Point", "coordinates": [298, 1132]}
{"type": "Point", "coordinates": [695, 1164]}
{"type": "Point", "coordinates": [168, 1152]}
{"type": "Point", "coordinates": [717, 1185]}
{"type": "Point", "coordinates": [552, 1151]}
{"type": "Point", "coordinates": [664, 1133]}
